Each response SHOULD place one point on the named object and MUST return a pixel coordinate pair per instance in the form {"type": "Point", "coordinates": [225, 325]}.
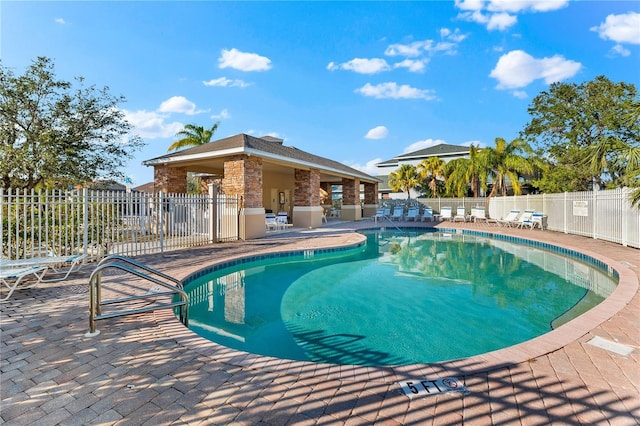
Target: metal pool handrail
{"type": "Point", "coordinates": [127, 265]}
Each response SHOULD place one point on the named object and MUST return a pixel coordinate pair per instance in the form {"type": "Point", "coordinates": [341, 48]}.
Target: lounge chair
{"type": "Point", "coordinates": [478, 214]}
{"type": "Point", "coordinates": [12, 277]}
{"type": "Point", "coordinates": [413, 213]}
{"type": "Point", "coordinates": [510, 219]}
{"type": "Point", "coordinates": [379, 215]}
{"type": "Point", "coordinates": [49, 263]}
{"type": "Point", "coordinates": [523, 219]}
{"type": "Point", "coordinates": [533, 222]}
{"type": "Point", "coordinates": [398, 213]}
{"type": "Point", "coordinates": [445, 213]}
{"type": "Point", "coordinates": [461, 214]}
{"type": "Point", "coordinates": [427, 215]}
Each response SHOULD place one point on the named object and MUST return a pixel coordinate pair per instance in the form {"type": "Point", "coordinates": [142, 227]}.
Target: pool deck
{"type": "Point", "coordinates": [147, 369]}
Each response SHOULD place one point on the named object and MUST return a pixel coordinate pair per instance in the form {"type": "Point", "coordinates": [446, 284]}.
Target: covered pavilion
{"type": "Point", "coordinates": [267, 175]}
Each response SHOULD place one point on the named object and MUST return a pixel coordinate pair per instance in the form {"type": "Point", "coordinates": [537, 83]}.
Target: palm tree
{"type": "Point", "coordinates": [464, 173]}
{"type": "Point", "coordinates": [430, 170]}
{"type": "Point", "coordinates": [505, 162]}
{"type": "Point", "coordinates": [404, 179]}
{"type": "Point", "coordinates": [193, 135]}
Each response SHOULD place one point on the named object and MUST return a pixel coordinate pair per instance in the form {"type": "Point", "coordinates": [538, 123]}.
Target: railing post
{"type": "Point", "coordinates": [213, 206]}
{"type": "Point", "coordinates": [85, 221]}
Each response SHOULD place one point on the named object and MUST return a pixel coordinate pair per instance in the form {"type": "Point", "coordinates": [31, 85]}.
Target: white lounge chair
{"type": "Point", "coordinates": [413, 213]}
{"type": "Point", "coordinates": [445, 213]}
{"type": "Point", "coordinates": [12, 277]}
{"type": "Point", "coordinates": [427, 215]}
{"type": "Point", "coordinates": [398, 213]}
{"type": "Point", "coordinates": [524, 218]}
{"type": "Point", "coordinates": [49, 263]}
{"type": "Point", "coordinates": [282, 219]}
{"type": "Point", "coordinates": [478, 214]}
{"type": "Point", "coordinates": [510, 219]}
{"type": "Point", "coordinates": [461, 214]}
{"type": "Point", "coordinates": [533, 222]}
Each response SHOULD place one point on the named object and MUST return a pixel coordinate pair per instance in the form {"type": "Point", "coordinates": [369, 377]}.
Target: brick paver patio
{"type": "Point", "coordinates": [148, 369]}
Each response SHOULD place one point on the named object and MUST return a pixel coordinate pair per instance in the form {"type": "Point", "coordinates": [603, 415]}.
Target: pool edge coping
{"type": "Point", "coordinates": [522, 352]}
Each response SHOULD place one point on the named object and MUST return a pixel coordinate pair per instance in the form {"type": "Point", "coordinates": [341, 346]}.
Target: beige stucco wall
{"type": "Point", "coordinates": [252, 223]}
{"type": "Point", "coordinates": [307, 216]}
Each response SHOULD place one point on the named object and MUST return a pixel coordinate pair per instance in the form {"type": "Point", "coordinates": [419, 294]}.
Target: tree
{"type": "Point", "coordinates": [51, 131]}
{"type": "Point", "coordinates": [429, 171]}
{"type": "Point", "coordinates": [464, 173]}
{"type": "Point", "coordinates": [586, 133]}
{"type": "Point", "coordinates": [506, 161]}
{"type": "Point", "coordinates": [193, 135]}
{"type": "Point", "coordinates": [404, 179]}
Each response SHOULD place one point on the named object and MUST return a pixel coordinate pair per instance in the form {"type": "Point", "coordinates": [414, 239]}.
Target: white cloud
{"type": "Point", "coordinates": [416, 48]}
{"type": "Point", "coordinates": [623, 28]}
{"type": "Point", "coordinates": [60, 21]}
{"type": "Point", "coordinates": [518, 69]}
{"type": "Point", "coordinates": [620, 50]}
{"type": "Point", "coordinates": [370, 167]}
{"type": "Point", "coordinates": [501, 14]}
{"type": "Point", "coordinates": [474, 143]}
{"type": "Point", "coordinates": [151, 124]}
{"type": "Point", "coordinates": [417, 146]}
{"type": "Point", "coordinates": [412, 65]}
{"type": "Point", "coordinates": [394, 91]}
{"type": "Point", "coordinates": [223, 115]}
{"type": "Point", "coordinates": [226, 82]}
{"type": "Point", "coordinates": [520, 94]}
{"type": "Point", "coordinates": [179, 104]}
{"type": "Point", "coordinates": [361, 66]}
{"type": "Point", "coordinates": [379, 132]}
{"type": "Point", "coordinates": [243, 61]}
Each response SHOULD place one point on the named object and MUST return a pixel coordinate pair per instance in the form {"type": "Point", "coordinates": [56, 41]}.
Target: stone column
{"type": "Point", "coordinates": [351, 209]}
{"type": "Point", "coordinates": [370, 199]}
{"type": "Point", "coordinates": [170, 180]}
{"type": "Point", "coordinates": [307, 212]}
{"type": "Point", "coordinates": [243, 177]}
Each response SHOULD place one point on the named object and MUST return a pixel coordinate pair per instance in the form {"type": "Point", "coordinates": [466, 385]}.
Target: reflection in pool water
{"type": "Point", "coordinates": [403, 298]}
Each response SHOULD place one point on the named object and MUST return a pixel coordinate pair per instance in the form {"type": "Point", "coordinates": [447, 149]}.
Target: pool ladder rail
{"type": "Point", "coordinates": [172, 285]}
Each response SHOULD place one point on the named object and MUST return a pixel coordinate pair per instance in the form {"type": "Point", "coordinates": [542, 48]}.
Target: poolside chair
{"type": "Point", "coordinates": [536, 220]}
{"type": "Point", "coordinates": [427, 215]}
{"type": "Point", "coordinates": [445, 213]}
{"type": "Point", "coordinates": [524, 218]}
{"type": "Point", "coordinates": [412, 214]}
{"type": "Point", "coordinates": [478, 214]}
{"type": "Point", "coordinates": [398, 213]}
{"type": "Point", "coordinates": [271, 223]}
{"type": "Point", "coordinates": [12, 277]}
{"type": "Point", "coordinates": [511, 218]}
{"type": "Point", "coordinates": [282, 220]}
{"type": "Point", "coordinates": [461, 214]}
{"type": "Point", "coordinates": [379, 215]}
{"type": "Point", "coordinates": [52, 264]}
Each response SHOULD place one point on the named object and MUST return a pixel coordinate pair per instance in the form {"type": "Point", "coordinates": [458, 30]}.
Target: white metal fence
{"type": "Point", "coordinates": [604, 215]}
{"type": "Point", "coordinates": [98, 223]}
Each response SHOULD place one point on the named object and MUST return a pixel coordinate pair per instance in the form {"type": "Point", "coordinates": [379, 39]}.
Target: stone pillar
{"type": "Point", "coordinates": [307, 212]}
{"type": "Point", "coordinates": [370, 199]}
{"type": "Point", "coordinates": [243, 177]}
{"type": "Point", "coordinates": [170, 180]}
{"type": "Point", "coordinates": [351, 209]}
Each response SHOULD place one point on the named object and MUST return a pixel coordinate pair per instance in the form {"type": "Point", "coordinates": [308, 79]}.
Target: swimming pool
{"type": "Point", "coordinates": [402, 298]}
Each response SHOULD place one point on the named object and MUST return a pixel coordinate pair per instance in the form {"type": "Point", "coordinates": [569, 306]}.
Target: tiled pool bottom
{"type": "Point", "coordinates": [505, 357]}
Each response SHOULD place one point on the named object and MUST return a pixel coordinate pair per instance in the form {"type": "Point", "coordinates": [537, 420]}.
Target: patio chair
{"type": "Point", "coordinates": [270, 222]}
{"type": "Point", "coordinates": [282, 220]}
{"type": "Point", "coordinates": [12, 277]}
{"type": "Point", "coordinates": [427, 215]}
{"type": "Point", "coordinates": [50, 263]}
{"type": "Point", "coordinates": [379, 215]}
{"type": "Point", "coordinates": [511, 218]}
{"type": "Point", "coordinates": [445, 213]}
{"type": "Point", "coordinates": [413, 213]}
{"type": "Point", "coordinates": [398, 213]}
{"type": "Point", "coordinates": [478, 214]}
{"type": "Point", "coordinates": [461, 214]}
{"type": "Point", "coordinates": [524, 218]}
{"type": "Point", "coordinates": [536, 220]}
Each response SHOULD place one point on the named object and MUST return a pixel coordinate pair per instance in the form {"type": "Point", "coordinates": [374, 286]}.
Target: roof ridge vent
{"type": "Point", "coordinates": [272, 139]}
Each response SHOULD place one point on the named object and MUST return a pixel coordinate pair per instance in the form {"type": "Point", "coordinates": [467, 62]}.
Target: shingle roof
{"type": "Point", "coordinates": [442, 149]}
{"type": "Point", "coordinates": [250, 144]}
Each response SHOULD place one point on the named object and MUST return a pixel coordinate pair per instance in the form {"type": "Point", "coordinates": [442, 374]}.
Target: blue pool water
{"type": "Point", "coordinates": [403, 298]}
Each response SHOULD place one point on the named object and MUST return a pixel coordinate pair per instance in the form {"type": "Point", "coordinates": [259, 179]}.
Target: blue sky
{"type": "Point", "coordinates": [357, 82]}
